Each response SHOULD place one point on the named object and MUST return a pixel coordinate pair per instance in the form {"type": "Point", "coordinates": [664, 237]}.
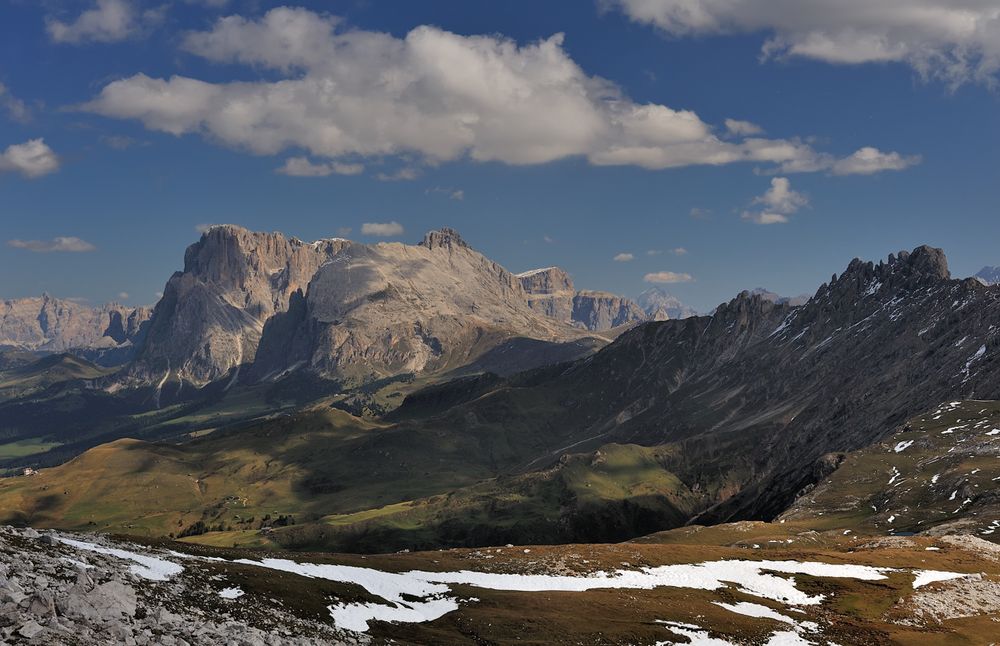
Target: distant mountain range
{"type": "Point", "coordinates": [660, 305]}
{"type": "Point", "coordinates": [989, 275]}
{"type": "Point", "coordinates": [108, 334]}
{"type": "Point", "coordinates": [259, 306]}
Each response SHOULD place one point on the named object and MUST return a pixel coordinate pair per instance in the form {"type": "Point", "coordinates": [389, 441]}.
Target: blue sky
{"type": "Point", "coordinates": [611, 139]}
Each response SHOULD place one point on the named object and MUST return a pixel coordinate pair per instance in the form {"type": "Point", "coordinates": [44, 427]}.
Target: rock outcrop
{"type": "Point", "coordinates": [54, 592]}
{"type": "Point", "coordinates": [604, 311]}
{"type": "Point", "coordinates": [45, 324]}
{"type": "Point", "coordinates": [550, 291]}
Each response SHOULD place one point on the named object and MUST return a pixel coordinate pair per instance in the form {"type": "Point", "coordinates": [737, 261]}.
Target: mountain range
{"type": "Point", "coordinates": [704, 419]}
{"type": "Point", "coordinates": [108, 334]}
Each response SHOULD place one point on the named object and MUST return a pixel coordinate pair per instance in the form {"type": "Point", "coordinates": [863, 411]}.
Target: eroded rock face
{"type": "Point", "coordinates": [603, 311]}
{"type": "Point", "coordinates": [551, 292]}
{"type": "Point", "coordinates": [346, 310]}
{"type": "Point", "coordinates": [390, 308]}
{"type": "Point", "coordinates": [47, 324]}
{"type": "Point", "coordinates": [212, 313]}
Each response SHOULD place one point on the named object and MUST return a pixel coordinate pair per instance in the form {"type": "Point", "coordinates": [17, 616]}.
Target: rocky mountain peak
{"type": "Point", "coordinates": [445, 237]}
{"type": "Point", "coordinates": [902, 272]}
{"type": "Point", "coordinates": [547, 280]}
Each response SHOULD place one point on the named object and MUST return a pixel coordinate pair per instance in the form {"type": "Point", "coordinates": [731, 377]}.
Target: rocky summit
{"type": "Point", "coordinates": [341, 309]}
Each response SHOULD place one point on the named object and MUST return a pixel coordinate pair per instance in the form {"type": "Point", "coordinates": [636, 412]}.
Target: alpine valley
{"type": "Point", "coordinates": [337, 442]}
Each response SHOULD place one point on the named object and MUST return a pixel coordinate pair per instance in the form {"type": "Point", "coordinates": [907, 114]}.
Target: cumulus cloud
{"type": "Point", "coordinates": [742, 128]}
{"type": "Point", "coordinates": [430, 96]}
{"type": "Point", "coordinates": [868, 161]}
{"type": "Point", "coordinates": [123, 296]}
{"type": "Point", "coordinates": [302, 167]}
{"type": "Point", "coordinates": [668, 277]}
{"type": "Point", "coordinates": [679, 251]}
{"type": "Point", "coordinates": [382, 229]}
{"type": "Point", "coordinates": [60, 243]}
{"type": "Point", "coordinates": [15, 108]}
{"type": "Point", "coordinates": [31, 159]}
{"type": "Point", "coordinates": [624, 257]}
{"type": "Point", "coordinates": [107, 22]}
{"type": "Point", "coordinates": [954, 40]}
{"type": "Point", "coordinates": [777, 203]}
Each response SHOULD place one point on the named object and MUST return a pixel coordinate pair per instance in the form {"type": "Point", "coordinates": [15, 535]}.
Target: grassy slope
{"type": "Point", "coordinates": [354, 484]}
{"type": "Point", "coordinates": [940, 471]}
{"type": "Point", "coordinates": [26, 380]}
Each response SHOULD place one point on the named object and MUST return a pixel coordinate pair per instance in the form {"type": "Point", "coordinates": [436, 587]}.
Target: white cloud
{"type": "Point", "coordinates": [430, 96]}
{"type": "Point", "coordinates": [778, 202]}
{"type": "Point", "coordinates": [698, 213]}
{"type": "Point", "coordinates": [742, 128]}
{"type": "Point", "coordinates": [302, 167]}
{"type": "Point", "coordinates": [679, 251]}
{"type": "Point", "coordinates": [667, 277]}
{"type": "Point", "coordinates": [123, 296]}
{"type": "Point", "coordinates": [867, 161]}
{"type": "Point", "coordinates": [60, 243]}
{"type": "Point", "coordinates": [624, 257]}
{"type": "Point", "coordinates": [382, 229]}
{"type": "Point", "coordinates": [781, 198]}
{"type": "Point", "coordinates": [31, 159]}
{"type": "Point", "coordinates": [954, 40]}
{"type": "Point", "coordinates": [15, 108]}
{"type": "Point", "coordinates": [107, 22]}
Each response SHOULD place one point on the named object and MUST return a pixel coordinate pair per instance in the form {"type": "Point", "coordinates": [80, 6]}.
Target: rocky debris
{"type": "Point", "coordinates": [969, 596]}
{"type": "Point", "coordinates": [52, 593]}
{"type": "Point", "coordinates": [45, 324]}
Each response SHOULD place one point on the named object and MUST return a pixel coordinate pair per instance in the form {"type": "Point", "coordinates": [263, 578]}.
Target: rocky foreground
{"type": "Point", "coordinates": [54, 593]}
{"type": "Point", "coordinates": [729, 585]}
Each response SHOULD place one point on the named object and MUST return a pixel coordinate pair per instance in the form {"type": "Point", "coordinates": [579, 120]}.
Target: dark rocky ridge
{"type": "Point", "coordinates": [756, 394]}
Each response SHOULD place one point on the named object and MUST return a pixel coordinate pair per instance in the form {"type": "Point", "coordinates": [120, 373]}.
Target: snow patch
{"type": "Point", "coordinates": [146, 567]}
{"type": "Point", "coordinates": [902, 446]}
{"type": "Point", "coordinates": [923, 577]}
